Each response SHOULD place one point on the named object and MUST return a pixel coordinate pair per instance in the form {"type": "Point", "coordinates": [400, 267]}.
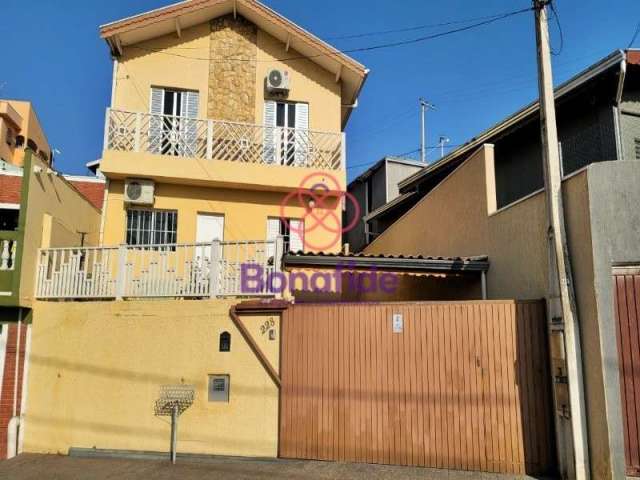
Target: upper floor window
{"type": "Point", "coordinates": [146, 227]}
{"type": "Point", "coordinates": [286, 132]}
{"type": "Point", "coordinates": [173, 129]}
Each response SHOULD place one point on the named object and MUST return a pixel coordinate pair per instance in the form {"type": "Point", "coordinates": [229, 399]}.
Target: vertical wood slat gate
{"type": "Point", "coordinates": [465, 385]}
{"type": "Point", "coordinates": [627, 295]}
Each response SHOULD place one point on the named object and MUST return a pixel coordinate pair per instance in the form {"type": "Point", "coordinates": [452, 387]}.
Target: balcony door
{"type": "Point", "coordinates": [173, 128]}
{"type": "Point", "coordinates": [286, 139]}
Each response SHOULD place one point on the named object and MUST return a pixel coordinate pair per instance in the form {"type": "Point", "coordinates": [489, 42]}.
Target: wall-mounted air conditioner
{"type": "Point", "coordinates": [139, 191]}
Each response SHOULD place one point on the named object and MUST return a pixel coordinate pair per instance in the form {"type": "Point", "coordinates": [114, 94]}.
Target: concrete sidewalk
{"type": "Point", "coordinates": [58, 467]}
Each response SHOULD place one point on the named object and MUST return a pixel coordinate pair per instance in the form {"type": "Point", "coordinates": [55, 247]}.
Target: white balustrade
{"type": "Point", "coordinates": [8, 249]}
{"type": "Point", "coordinates": [222, 140]}
{"type": "Point", "coordinates": [177, 270]}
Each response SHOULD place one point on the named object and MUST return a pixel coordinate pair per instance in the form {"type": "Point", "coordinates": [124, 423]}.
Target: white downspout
{"type": "Point", "coordinates": [25, 387]}
{"type": "Point", "coordinates": [616, 108]}
{"type": "Point", "coordinates": [12, 428]}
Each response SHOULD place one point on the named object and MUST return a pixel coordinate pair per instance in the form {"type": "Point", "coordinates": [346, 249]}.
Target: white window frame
{"type": "Point", "coordinates": [284, 231]}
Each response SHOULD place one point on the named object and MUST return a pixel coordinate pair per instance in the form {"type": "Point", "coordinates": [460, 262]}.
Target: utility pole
{"type": "Point", "coordinates": [424, 106]}
{"type": "Point", "coordinates": [570, 420]}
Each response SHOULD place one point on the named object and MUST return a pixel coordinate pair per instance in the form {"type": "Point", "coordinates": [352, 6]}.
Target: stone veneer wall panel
{"type": "Point", "coordinates": [232, 83]}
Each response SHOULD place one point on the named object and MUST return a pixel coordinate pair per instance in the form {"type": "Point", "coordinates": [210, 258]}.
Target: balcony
{"type": "Point", "coordinates": [8, 263]}
{"type": "Point", "coordinates": [198, 270]}
{"type": "Point", "coordinates": [223, 141]}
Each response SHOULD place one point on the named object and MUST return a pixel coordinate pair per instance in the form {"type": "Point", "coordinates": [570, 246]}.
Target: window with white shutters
{"type": "Point", "coordinates": [172, 126]}
{"type": "Point", "coordinates": [286, 133]}
{"type": "Point", "coordinates": [291, 231]}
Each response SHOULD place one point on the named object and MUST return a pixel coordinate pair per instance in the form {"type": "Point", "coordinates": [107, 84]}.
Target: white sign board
{"type": "Point", "coordinates": [397, 323]}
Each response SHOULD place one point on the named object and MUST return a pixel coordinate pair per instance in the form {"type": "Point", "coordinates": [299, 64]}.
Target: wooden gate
{"type": "Point", "coordinates": [627, 289]}
{"type": "Point", "coordinates": [457, 386]}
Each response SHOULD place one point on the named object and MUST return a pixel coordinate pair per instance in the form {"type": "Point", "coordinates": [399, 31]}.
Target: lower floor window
{"type": "Point", "coordinates": [146, 227]}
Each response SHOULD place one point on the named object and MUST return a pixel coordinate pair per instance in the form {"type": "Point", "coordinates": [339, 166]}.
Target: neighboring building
{"type": "Point", "coordinates": [373, 189]}
{"type": "Point", "coordinates": [38, 209]}
{"type": "Point", "coordinates": [21, 129]}
{"type": "Point", "coordinates": [598, 120]}
{"type": "Point", "coordinates": [490, 201]}
{"type": "Point", "coordinates": [221, 113]}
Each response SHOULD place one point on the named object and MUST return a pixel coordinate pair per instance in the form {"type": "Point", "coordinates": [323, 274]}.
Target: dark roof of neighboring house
{"type": "Point", "coordinates": [390, 206]}
{"type": "Point", "coordinates": [388, 262]}
{"type": "Point", "coordinates": [456, 157]}
{"type": "Point", "coordinates": [91, 188]}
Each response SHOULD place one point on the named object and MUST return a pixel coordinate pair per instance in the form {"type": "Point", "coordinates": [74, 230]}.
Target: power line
{"type": "Point", "coordinates": [557, 19]}
{"type": "Point", "coordinates": [635, 35]}
{"type": "Point", "coordinates": [432, 147]}
{"type": "Point", "coordinates": [415, 28]}
{"type": "Point", "coordinates": [370, 48]}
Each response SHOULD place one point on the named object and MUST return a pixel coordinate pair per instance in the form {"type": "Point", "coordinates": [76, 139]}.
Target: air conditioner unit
{"type": "Point", "coordinates": [278, 81]}
{"type": "Point", "coordinates": [139, 191]}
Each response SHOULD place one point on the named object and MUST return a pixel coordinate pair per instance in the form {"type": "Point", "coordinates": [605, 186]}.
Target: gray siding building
{"type": "Point", "coordinates": [372, 190]}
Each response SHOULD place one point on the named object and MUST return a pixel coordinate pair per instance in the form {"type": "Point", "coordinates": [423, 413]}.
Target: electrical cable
{"type": "Point", "coordinates": [557, 19]}
{"type": "Point", "coordinates": [413, 29]}
{"type": "Point", "coordinates": [635, 35]}
{"type": "Point", "coordinates": [369, 48]}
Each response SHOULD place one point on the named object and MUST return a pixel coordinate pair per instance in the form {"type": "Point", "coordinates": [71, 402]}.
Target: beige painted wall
{"type": "Point", "coordinates": [245, 212]}
{"type": "Point", "coordinates": [161, 62]}
{"type": "Point", "coordinates": [96, 369]}
{"type": "Point", "coordinates": [455, 220]}
{"type": "Point", "coordinates": [309, 83]}
{"type": "Point", "coordinates": [56, 214]}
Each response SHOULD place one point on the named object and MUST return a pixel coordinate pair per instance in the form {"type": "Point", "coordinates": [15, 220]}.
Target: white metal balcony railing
{"type": "Point", "coordinates": [180, 270]}
{"type": "Point", "coordinates": [222, 140]}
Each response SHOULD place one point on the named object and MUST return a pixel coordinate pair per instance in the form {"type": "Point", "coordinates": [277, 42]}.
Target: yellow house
{"type": "Point", "coordinates": [224, 146]}
{"type": "Point", "coordinates": [21, 129]}
{"type": "Point", "coordinates": [223, 109]}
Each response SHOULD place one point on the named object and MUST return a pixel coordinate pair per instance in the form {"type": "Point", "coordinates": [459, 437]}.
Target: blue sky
{"type": "Point", "coordinates": [55, 58]}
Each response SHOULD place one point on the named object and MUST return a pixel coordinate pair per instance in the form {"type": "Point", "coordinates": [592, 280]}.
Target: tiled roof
{"type": "Point", "coordinates": [10, 188]}
{"type": "Point", "coordinates": [91, 190]}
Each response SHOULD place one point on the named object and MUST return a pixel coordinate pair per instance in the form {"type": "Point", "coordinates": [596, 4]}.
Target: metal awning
{"type": "Point", "coordinates": [417, 263]}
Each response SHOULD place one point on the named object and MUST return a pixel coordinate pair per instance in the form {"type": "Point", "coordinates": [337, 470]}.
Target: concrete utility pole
{"type": "Point", "coordinates": [424, 106]}
{"type": "Point", "coordinates": [561, 308]}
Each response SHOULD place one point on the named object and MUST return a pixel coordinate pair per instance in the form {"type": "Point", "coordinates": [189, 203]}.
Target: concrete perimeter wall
{"type": "Point", "coordinates": [96, 369]}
